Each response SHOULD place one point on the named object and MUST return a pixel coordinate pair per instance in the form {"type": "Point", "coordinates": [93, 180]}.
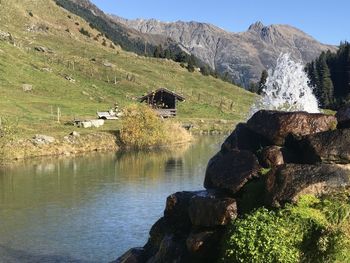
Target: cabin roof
{"type": "Point", "coordinates": [152, 93]}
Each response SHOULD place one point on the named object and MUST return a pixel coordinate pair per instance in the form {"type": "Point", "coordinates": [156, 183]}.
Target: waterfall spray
{"type": "Point", "coordinates": [287, 89]}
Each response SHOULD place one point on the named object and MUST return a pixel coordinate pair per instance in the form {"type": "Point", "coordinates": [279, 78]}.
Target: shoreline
{"type": "Point", "coordinates": [67, 146]}
{"type": "Point", "coordinates": [95, 141]}
{"type": "Point", "coordinates": [71, 146]}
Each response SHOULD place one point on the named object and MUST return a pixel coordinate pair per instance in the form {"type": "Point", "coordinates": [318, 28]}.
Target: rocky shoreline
{"type": "Point", "coordinates": [269, 161]}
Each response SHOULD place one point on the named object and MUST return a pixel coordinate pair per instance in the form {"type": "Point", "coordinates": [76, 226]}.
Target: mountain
{"type": "Point", "coordinates": [51, 58]}
{"type": "Point", "coordinates": [241, 55]}
{"type": "Point", "coordinates": [128, 38]}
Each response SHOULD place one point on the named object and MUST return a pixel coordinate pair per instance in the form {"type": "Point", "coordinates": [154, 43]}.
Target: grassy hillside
{"type": "Point", "coordinates": [103, 74]}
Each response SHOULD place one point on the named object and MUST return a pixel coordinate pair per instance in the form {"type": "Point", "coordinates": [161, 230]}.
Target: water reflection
{"type": "Point", "coordinates": [92, 208]}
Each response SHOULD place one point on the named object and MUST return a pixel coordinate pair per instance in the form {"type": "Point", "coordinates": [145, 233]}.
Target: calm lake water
{"type": "Point", "coordinates": [92, 208]}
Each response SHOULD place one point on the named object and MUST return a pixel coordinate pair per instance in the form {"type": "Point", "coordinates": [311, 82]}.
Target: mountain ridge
{"type": "Point", "coordinates": [242, 55]}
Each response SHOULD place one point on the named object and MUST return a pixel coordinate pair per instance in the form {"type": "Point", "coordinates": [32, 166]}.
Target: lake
{"type": "Point", "coordinates": [92, 208]}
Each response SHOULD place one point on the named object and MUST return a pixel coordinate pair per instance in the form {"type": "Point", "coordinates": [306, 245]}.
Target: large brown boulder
{"type": "Point", "coordinates": [171, 250]}
{"type": "Point", "coordinates": [158, 231]}
{"type": "Point", "coordinates": [275, 126]}
{"type": "Point", "coordinates": [272, 156]}
{"type": "Point", "coordinates": [243, 138]}
{"type": "Point", "coordinates": [211, 209]}
{"type": "Point", "coordinates": [288, 182]}
{"type": "Point", "coordinates": [343, 117]}
{"type": "Point", "coordinates": [231, 171]}
{"type": "Point", "coordinates": [326, 147]}
{"type": "Point", "coordinates": [176, 210]}
{"type": "Point", "coordinates": [203, 245]}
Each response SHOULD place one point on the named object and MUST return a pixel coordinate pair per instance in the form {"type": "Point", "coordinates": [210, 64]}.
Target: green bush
{"type": "Point", "coordinates": [313, 230]}
{"type": "Point", "coordinates": [261, 237]}
{"type": "Point", "coordinates": [84, 32]}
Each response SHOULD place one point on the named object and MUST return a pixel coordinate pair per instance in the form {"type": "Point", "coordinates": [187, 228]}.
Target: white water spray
{"type": "Point", "coordinates": [287, 89]}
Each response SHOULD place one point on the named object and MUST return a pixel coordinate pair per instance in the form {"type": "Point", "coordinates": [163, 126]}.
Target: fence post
{"type": "Point", "coordinates": [58, 114]}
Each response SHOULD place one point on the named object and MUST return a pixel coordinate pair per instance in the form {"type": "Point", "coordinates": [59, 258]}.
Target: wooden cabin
{"type": "Point", "coordinates": [163, 101]}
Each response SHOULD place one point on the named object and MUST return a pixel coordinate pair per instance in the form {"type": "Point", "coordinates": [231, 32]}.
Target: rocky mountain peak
{"type": "Point", "coordinates": [243, 56]}
{"type": "Point", "coordinates": [257, 26]}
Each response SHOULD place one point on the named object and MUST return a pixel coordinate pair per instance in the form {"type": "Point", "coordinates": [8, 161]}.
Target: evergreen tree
{"type": "Point", "coordinates": [205, 70]}
{"type": "Point", "coordinates": [261, 84]}
{"type": "Point", "coordinates": [253, 87]}
{"type": "Point", "coordinates": [325, 86]}
{"type": "Point", "coordinates": [158, 52]}
{"type": "Point", "coordinates": [330, 76]}
{"type": "Point", "coordinates": [191, 63]}
{"type": "Point", "coordinates": [167, 54]}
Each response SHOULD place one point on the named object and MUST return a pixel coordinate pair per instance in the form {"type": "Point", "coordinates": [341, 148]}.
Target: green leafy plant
{"type": "Point", "coordinates": [313, 230]}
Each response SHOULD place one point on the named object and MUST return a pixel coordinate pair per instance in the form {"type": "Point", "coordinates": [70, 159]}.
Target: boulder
{"type": "Point", "coordinates": [74, 134]}
{"type": "Point", "coordinates": [171, 250]}
{"type": "Point", "coordinates": [275, 126]}
{"type": "Point", "coordinates": [108, 64]}
{"type": "Point", "coordinates": [27, 87]}
{"type": "Point", "coordinates": [202, 245]}
{"type": "Point", "coordinates": [158, 231]}
{"type": "Point", "coordinates": [326, 147]}
{"type": "Point", "coordinates": [343, 117]}
{"type": "Point", "coordinates": [134, 255]}
{"type": "Point", "coordinates": [242, 138]}
{"type": "Point", "coordinates": [210, 209]}
{"type": "Point", "coordinates": [176, 210]}
{"type": "Point", "coordinates": [231, 171]}
{"type": "Point", "coordinates": [40, 139]}
{"type": "Point", "coordinates": [43, 49]}
{"type": "Point", "coordinates": [272, 156]}
{"type": "Point", "coordinates": [5, 36]}
{"type": "Point", "coordinates": [288, 182]}
{"type": "Point", "coordinates": [69, 78]}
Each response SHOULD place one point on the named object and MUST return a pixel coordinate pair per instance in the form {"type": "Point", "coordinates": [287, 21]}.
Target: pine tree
{"type": "Point", "coordinates": [326, 89]}
{"type": "Point", "coordinates": [191, 63]}
{"type": "Point", "coordinates": [262, 82]}
{"type": "Point", "coordinates": [158, 52]}
{"type": "Point", "coordinates": [205, 70]}
{"type": "Point", "coordinates": [167, 54]}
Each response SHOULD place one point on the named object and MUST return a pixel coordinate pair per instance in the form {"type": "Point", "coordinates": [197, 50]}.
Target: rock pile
{"type": "Point", "coordinates": [286, 154]}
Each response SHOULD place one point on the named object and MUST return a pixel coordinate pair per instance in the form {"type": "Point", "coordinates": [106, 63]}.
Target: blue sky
{"type": "Point", "coordinates": [327, 21]}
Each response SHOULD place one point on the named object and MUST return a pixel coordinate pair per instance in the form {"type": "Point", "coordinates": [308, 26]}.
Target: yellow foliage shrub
{"type": "Point", "coordinates": [142, 128]}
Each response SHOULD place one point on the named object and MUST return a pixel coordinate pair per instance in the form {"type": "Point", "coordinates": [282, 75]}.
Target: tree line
{"type": "Point", "coordinates": [329, 74]}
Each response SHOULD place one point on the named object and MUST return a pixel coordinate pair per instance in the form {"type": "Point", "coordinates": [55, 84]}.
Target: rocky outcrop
{"type": "Point", "coordinates": [40, 139]}
{"type": "Point", "coordinates": [325, 147]}
{"type": "Point", "coordinates": [210, 210]}
{"type": "Point", "coordinates": [272, 156]}
{"type": "Point", "coordinates": [343, 117]}
{"type": "Point", "coordinates": [243, 138]}
{"type": "Point", "coordinates": [275, 126]}
{"type": "Point", "coordinates": [301, 154]}
{"type": "Point", "coordinates": [287, 182]}
{"type": "Point", "coordinates": [231, 170]}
